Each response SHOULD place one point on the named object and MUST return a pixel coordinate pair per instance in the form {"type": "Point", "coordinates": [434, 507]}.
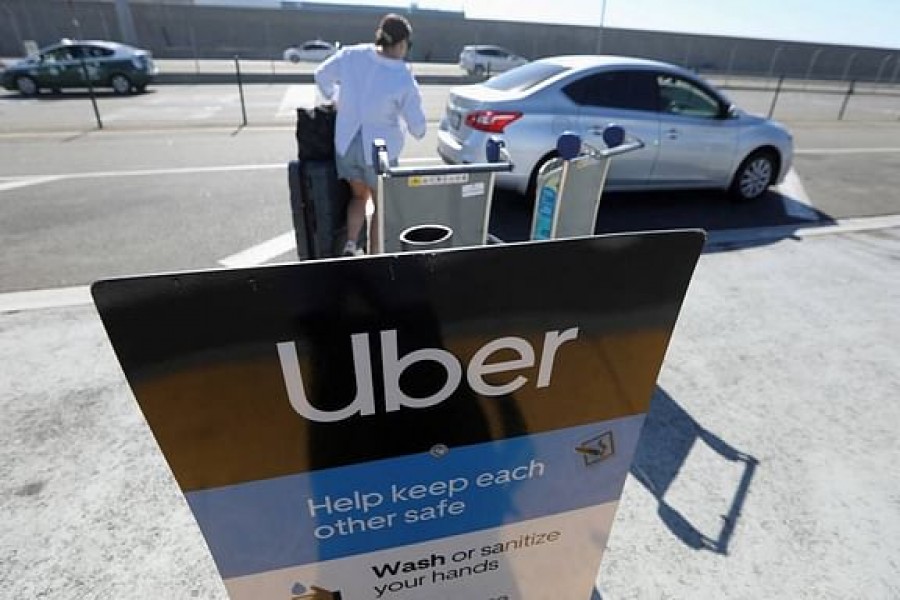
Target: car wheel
{"type": "Point", "coordinates": [27, 86]}
{"type": "Point", "coordinates": [754, 176]}
{"type": "Point", "coordinates": [294, 58]}
{"type": "Point", "coordinates": [478, 71]}
{"type": "Point", "coordinates": [120, 84]}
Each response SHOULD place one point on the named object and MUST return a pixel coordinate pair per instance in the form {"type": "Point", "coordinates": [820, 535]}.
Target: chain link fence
{"type": "Point", "coordinates": [789, 81]}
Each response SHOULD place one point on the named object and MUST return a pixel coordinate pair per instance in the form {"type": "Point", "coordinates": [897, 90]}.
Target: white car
{"type": "Point", "coordinates": [694, 137]}
{"type": "Point", "coordinates": [487, 60]}
{"type": "Point", "coordinates": [311, 51]}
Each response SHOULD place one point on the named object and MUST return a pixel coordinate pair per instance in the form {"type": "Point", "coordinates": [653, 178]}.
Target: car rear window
{"type": "Point", "coordinates": [525, 77]}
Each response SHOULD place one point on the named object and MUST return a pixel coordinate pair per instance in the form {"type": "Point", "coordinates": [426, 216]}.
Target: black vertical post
{"type": "Point", "coordinates": [237, 69]}
{"type": "Point", "coordinates": [196, 56]}
{"type": "Point", "coordinates": [87, 79]}
{"type": "Point", "coordinates": [775, 97]}
{"type": "Point", "coordinates": [76, 25]}
{"type": "Point", "coordinates": [849, 93]}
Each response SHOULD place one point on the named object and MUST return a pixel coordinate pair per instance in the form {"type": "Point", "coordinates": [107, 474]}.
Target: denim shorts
{"type": "Point", "coordinates": [354, 166]}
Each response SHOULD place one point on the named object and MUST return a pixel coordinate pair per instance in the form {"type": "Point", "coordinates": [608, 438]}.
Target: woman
{"type": "Point", "coordinates": [379, 98]}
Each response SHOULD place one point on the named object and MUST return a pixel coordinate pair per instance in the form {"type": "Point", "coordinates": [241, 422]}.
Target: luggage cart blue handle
{"type": "Point", "coordinates": [496, 150]}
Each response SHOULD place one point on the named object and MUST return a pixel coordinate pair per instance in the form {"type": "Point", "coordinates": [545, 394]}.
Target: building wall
{"type": "Point", "coordinates": [182, 30]}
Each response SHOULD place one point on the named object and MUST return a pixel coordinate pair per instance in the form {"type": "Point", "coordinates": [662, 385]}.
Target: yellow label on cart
{"type": "Point", "coordinates": [451, 179]}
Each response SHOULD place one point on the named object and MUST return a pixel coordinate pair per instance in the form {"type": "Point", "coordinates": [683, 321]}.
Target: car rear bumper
{"type": "Point", "coordinates": [454, 152]}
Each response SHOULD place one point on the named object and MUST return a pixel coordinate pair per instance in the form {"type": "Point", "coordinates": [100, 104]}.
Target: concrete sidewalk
{"type": "Point", "coordinates": [769, 466]}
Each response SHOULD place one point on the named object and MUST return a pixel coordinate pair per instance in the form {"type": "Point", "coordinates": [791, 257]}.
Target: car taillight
{"type": "Point", "coordinates": [491, 121]}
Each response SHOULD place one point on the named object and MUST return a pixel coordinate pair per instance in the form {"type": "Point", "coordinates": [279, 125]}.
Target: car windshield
{"type": "Point", "coordinates": [525, 77]}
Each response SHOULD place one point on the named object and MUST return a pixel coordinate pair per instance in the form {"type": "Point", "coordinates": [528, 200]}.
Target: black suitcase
{"type": "Point", "coordinates": [318, 208]}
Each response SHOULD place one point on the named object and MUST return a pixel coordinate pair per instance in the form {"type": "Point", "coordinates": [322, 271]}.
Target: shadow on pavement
{"type": "Point", "coordinates": [650, 211]}
{"type": "Point", "coordinates": [667, 439]}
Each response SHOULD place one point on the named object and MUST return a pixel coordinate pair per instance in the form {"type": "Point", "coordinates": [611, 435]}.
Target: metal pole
{"type": "Point", "coordinates": [731, 60]}
{"type": "Point", "coordinates": [268, 45]}
{"type": "Point", "coordinates": [237, 69]}
{"type": "Point", "coordinates": [106, 34]}
{"type": "Point", "coordinates": [687, 53]}
{"type": "Point", "coordinates": [15, 25]}
{"type": "Point", "coordinates": [75, 24]}
{"type": "Point", "coordinates": [600, 29]}
{"type": "Point", "coordinates": [194, 49]}
{"type": "Point", "coordinates": [847, 68]}
{"type": "Point", "coordinates": [812, 63]}
{"type": "Point", "coordinates": [846, 100]}
{"type": "Point", "coordinates": [884, 61]}
{"type": "Point", "coordinates": [126, 22]}
{"type": "Point", "coordinates": [775, 97]}
{"type": "Point", "coordinates": [93, 96]}
{"type": "Point", "coordinates": [774, 58]}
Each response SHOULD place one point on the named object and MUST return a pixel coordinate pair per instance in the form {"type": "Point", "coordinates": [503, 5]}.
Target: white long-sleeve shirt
{"type": "Point", "coordinates": [378, 95]}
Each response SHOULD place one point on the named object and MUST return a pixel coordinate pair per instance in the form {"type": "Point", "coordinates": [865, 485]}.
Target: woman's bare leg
{"type": "Point", "coordinates": [356, 209]}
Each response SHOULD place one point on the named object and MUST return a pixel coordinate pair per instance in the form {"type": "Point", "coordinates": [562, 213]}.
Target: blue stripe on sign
{"type": "Point", "coordinates": [333, 513]}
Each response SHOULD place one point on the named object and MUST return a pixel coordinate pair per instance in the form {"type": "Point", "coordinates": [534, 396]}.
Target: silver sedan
{"type": "Point", "coordinates": [694, 137]}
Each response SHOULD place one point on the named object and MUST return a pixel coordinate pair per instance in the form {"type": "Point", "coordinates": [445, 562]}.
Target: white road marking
{"type": "Point", "coordinates": [51, 298]}
{"type": "Point", "coordinates": [26, 181]}
{"type": "Point", "coordinates": [296, 96]}
{"type": "Point", "coordinates": [261, 253]}
{"type": "Point", "coordinates": [35, 179]}
{"type": "Point", "coordinates": [8, 183]}
{"type": "Point", "coordinates": [796, 201]}
{"type": "Point", "coordinates": [174, 171]}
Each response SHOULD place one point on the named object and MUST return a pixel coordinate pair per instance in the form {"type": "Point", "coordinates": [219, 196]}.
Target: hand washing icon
{"type": "Point", "coordinates": [301, 592]}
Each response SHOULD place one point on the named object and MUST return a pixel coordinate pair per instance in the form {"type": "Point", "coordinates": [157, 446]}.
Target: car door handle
{"type": "Point", "coordinates": [673, 134]}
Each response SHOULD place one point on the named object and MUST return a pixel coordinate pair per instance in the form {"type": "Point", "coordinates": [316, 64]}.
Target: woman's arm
{"type": "Point", "coordinates": [328, 74]}
{"type": "Point", "coordinates": [413, 113]}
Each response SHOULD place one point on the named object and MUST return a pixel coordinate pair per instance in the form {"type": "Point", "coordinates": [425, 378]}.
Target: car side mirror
{"type": "Point", "coordinates": [729, 112]}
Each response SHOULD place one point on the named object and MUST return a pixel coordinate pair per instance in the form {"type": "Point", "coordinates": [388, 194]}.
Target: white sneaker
{"type": "Point", "coordinates": [350, 249]}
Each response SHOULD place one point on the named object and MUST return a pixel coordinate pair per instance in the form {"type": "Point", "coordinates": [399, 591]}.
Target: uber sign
{"type": "Point", "coordinates": [392, 369]}
{"type": "Point", "coordinates": [406, 427]}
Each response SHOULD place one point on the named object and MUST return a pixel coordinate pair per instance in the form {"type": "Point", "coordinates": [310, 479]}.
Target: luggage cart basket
{"type": "Point", "coordinates": [454, 197]}
{"type": "Point", "coordinates": [569, 187]}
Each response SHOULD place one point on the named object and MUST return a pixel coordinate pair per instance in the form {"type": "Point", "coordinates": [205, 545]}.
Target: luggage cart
{"type": "Point", "coordinates": [457, 197]}
{"type": "Point", "coordinates": [570, 186]}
